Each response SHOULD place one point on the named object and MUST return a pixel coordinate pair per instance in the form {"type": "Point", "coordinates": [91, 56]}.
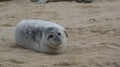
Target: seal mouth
{"type": "Point", "coordinates": [54, 46]}
{"type": "Point", "coordinates": [88, 1]}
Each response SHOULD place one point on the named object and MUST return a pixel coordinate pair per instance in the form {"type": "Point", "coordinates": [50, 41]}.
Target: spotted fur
{"type": "Point", "coordinates": [33, 34]}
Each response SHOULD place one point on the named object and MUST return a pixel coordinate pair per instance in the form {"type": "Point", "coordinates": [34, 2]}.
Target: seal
{"type": "Point", "coordinates": [45, 1]}
{"type": "Point", "coordinates": [41, 36]}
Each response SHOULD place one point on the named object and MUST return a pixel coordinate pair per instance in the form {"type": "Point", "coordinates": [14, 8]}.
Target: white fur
{"type": "Point", "coordinates": [45, 1]}
{"type": "Point", "coordinates": [25, 40]}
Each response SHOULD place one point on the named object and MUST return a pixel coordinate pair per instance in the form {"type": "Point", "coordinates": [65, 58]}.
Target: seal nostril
{"type": "Point", "coordinates": [59, 34]}
{"type": "Point", "coordinates": [58, 39]}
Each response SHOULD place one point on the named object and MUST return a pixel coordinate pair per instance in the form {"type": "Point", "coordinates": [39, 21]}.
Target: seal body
{"type": "Point", "coordinates": [45, 1]}
{"type": "Point", "coordinates": [42, 36]}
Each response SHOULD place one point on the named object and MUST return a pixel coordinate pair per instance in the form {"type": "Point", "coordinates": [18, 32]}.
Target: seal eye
{"type": "Point", "coordinates": [50, 36]}
{"type": "Point", "coordinates": [59, 34]}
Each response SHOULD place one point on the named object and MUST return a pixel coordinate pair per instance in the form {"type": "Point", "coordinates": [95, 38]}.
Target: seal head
{"type": "Point", "coordinates": [54, 37]}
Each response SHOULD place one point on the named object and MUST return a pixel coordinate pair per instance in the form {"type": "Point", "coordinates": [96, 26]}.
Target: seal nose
{"type": "Point", "coordinates": [58, 40]}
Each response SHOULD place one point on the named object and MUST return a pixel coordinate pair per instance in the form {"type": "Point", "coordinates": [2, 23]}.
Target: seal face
{"type": "Point", "coordinates": [42, 36]}
{"type": "Point", "coordinates": [54, 37]}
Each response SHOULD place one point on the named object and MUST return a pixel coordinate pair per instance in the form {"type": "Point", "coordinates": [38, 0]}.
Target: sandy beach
{"type": "Point", "coordinates": [93, 29]}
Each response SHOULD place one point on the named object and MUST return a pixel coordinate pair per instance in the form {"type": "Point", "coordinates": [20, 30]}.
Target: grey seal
{"type": "Point", "coordinates": [40, 35]}
{"type": "Point", "coordinates": [45, 1]}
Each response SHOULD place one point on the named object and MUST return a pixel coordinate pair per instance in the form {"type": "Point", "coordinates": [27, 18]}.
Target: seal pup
{"type": "Point", "coordinates": [40, 35]}
{"type": "Point", "coordinates": [45, 1]}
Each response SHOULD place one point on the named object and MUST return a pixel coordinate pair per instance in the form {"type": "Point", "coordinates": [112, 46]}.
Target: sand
{"type": "Point", "coordinates": [94, 33]}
